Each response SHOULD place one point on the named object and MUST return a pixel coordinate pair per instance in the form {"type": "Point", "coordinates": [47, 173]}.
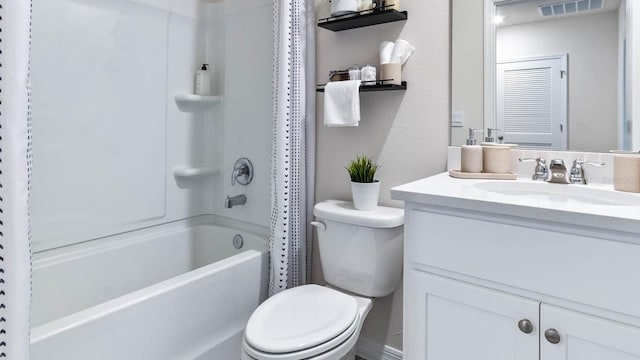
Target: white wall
{"type": "Point", "coordinates": [406, 132]}
{"type": "Point", "coordinates": [467, 67]}
{"type": "Point", "coordinates": [591, 42]}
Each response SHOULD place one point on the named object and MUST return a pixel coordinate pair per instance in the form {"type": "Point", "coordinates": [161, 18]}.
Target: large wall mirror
{"type": "Point", "coordinates": [548, 74]}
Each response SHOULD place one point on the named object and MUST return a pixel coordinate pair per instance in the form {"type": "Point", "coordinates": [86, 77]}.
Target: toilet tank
{"type": "Point", "coordinates": [360, 251]}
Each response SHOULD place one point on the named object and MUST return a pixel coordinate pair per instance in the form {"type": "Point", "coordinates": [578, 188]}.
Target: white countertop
{"type": "Point", "coordinates": [444, 191]}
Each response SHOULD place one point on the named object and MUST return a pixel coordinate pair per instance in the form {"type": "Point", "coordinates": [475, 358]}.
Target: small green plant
{"type": "Point", "coordinates": [362, 169]}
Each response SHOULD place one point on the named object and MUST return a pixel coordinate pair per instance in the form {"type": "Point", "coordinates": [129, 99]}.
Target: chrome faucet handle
{"type": "Point", "coordinates": [242, 172]}
{"type": "Point", "coordinates": [541, 172]}
{"type": "Point", "coordinates": [577, 172]}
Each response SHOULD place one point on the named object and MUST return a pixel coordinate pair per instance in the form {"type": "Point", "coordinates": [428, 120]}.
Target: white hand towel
{"type": "Point", "coordinates": [342, 103]}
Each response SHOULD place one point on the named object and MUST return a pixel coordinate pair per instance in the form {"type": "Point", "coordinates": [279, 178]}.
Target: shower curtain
{"type": "Point", "coordinates": [15, 172]}
{"type": "Point", "coordinates": [293, 149]}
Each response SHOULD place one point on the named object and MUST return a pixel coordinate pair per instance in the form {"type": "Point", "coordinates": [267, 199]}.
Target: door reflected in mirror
{"type": "Point", "coordinates": [549, 75]}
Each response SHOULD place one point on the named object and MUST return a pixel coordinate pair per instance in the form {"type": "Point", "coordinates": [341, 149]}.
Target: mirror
{"type": "Point", "coordinates": [549, 74]}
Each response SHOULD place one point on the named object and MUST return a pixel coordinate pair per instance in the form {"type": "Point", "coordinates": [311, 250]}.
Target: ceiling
{"type": "Point", "coordinates": [526, 11]}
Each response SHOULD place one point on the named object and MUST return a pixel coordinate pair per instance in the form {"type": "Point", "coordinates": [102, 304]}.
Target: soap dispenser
{"type": "Point", "coordinates": [471, 154]}
{"type": "Point", "coordinates": [203, 81]}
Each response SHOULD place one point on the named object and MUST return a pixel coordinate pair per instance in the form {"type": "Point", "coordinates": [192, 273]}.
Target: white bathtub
{"type": "Point", "coordinates": [177, 291]}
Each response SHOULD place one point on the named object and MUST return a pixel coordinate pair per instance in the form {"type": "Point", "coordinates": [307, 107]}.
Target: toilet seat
{"type": "Point", "coordinates": [307, 353]}
{"type": "Point", "coordinates": [300, 323]}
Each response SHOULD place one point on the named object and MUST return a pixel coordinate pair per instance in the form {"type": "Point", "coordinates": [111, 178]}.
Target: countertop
{"type": "Point", "coordinates": [444, 191]}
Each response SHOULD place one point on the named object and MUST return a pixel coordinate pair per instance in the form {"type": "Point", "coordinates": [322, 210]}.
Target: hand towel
{"type": "Point", "coordinates": [342, 103]}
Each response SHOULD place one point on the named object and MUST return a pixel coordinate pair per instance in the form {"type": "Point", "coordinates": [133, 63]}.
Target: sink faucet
{"type": "Point", "coordinates": [232, 201]}
{"type": "Point", "coordinates": [541, 171]}
{"type": "Point", "coordinates": [558, 172]}
{"type": "Point", "coordinates": [577, 172]}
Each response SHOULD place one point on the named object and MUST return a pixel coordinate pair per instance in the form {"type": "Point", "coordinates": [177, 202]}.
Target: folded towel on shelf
{"type": "Point", "coordinates": [386, 48]}
{"type": "Point", "coordinates": [402, 51]}
{"type": "Point", "coordinates": [342, 103]}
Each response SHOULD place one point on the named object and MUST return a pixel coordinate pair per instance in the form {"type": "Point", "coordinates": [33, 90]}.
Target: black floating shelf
{"type": "Point", "coordinates": [376, 87]}
{"type": "Point", "coordinates": [362, 19]}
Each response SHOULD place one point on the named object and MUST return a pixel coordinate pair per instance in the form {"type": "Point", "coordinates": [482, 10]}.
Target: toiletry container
{"type": "Point", "coordinates": [361, 254]}
{"type": "Point", "coordinates": [391, 72]}
{"type": "Point", "coordinates": [203, 81]}
{"type": "Point", "coordinates": [344, 7]}
{"type": "Point", "coordinates": [392, 5]}
{"type": "Point", "coordinates": [626, 172]}
{"type": "Point", "coordinates": [354, 72]}
{"type": "Point", "coordinates": [496, 158]}
{"type": "Point", "coordinates": [471, 154]}
{"type": "Point", "coordinates": [368, 73]}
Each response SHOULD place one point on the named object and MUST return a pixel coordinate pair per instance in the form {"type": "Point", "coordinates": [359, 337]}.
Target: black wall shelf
{"type": "Point", "coordinates": [377, 87]}
{"type": "Point", "coordinates": [362, 19]}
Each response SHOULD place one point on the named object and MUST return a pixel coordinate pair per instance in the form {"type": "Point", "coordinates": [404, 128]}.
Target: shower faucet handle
{"type": "Point", "coordinates": [242, 172]}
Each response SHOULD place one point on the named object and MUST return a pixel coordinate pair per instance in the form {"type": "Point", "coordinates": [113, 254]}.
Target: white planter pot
{"type": "Point", "coordinates": [342, 7]}
{"type": "Point", "coordinates": [365, 195]}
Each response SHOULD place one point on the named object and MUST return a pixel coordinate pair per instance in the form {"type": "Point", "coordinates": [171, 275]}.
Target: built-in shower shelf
{"type": "Point", "coordinates": [195, 173]}
{"type": "Point", "coordinates": [194, 103]}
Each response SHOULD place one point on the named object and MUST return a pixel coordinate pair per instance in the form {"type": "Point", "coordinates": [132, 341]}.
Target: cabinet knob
{"type": "Point", "coordinates": [525, 326]}
{"type": "Point", "coordinates": [552, 336]}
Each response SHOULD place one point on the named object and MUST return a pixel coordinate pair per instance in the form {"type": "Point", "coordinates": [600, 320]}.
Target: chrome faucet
{"type": "Point", "coordinates": [541, 172]}
{"type": "Point", "coordinates": [577, 172]}
{"type": "Point", "coordinates": [558, 172]}
{"type": "Point", "coordinates": [232, 201]}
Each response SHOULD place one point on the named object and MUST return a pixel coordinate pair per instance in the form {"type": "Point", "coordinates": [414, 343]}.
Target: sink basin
{"type": "Point", "coordinates": [568, 194]}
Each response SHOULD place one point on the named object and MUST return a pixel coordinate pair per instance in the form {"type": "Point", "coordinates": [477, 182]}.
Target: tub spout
{"type": "Point", "coordinates": [232, 201]}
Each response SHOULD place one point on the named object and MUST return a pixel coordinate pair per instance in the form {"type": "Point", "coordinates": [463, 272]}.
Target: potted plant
{"type": "Point", "coordinates": [364, 188]}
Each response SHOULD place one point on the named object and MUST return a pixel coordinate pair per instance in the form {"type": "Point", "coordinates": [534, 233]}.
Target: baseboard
{"type": "Point", "coordinates": [371, 350]}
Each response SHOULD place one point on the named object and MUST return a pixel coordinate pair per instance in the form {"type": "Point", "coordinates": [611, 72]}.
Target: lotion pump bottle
{"type": "Point", "coordinates": [471, 154]}
{"type": "Point", "coordinates": [203, 81]}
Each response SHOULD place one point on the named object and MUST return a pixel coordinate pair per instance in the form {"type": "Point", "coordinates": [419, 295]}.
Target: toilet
{"type": "Point", "coordinates": [361, 255]}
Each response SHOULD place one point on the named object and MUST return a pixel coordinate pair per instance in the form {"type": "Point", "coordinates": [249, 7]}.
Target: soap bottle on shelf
{"type": "Point", "coordinates": [471, 154]}
{"type": "Point", "coordinates": [203, 81]}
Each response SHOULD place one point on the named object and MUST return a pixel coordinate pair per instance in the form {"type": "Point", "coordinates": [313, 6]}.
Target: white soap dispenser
{"type": "Point", "coordinates": [471, 154]}
{"type": "Point", "coordinates": [203, 81]}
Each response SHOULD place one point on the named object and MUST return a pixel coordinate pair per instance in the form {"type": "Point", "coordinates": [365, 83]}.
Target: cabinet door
{"type": "Point", "coordinates": [585, 337]}
{"type": "Point", "coordinates": [452, 320]}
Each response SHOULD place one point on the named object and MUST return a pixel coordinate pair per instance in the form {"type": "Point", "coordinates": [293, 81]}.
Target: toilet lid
{"type": "Point", "coordinates": [300, 318]}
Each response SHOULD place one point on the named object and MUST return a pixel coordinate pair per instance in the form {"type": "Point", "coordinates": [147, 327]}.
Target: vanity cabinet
{"type": "Point", "coordinates": [483, 285]}
{"type": "Point", "coordinates": [455, 320]}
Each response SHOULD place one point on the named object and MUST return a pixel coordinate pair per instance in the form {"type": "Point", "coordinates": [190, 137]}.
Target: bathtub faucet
{"type": "Point", "coordinates": [232, 201]}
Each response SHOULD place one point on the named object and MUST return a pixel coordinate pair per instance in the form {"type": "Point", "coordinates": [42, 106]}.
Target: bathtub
{"type": "Point", "coordinates": [176, 291]}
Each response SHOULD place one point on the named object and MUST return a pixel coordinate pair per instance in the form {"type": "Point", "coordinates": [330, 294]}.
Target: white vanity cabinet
{"type": "Point", "coordinates": [492, 282]}
{"type": "Point", "coordinates": [454, 320]}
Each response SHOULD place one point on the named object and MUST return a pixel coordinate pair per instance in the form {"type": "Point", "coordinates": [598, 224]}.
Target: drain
{"type": "Point", "coordinates": [238, 241]}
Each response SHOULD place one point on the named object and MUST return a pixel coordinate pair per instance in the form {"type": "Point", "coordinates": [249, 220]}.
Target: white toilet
{"type": "Point", "coordinates": [361, 254]}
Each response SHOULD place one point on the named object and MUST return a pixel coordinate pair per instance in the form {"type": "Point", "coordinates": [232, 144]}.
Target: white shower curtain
{"type": "Point", "coordinates": [15, 172]}
{"type": "Point", "coordinates": [293, 151]}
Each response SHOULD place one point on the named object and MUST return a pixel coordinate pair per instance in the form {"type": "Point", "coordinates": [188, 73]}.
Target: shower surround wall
{"type": "Point", "coordinates": [107, 132]}
{"type": "Point", "coordinates": [107, 139]}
